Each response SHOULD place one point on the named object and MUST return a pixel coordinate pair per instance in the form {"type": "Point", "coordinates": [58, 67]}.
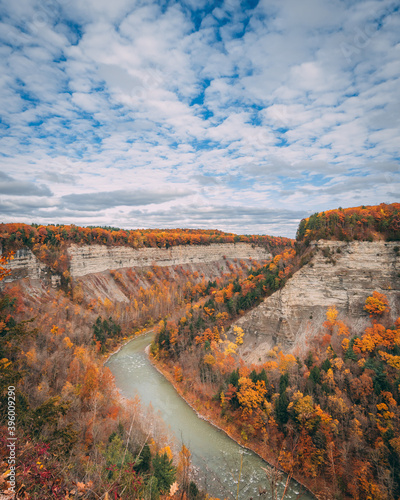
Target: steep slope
{"type": "Point", "coordinates": [339, 274]}
{"type": "Point", "coordinates": [89, 259]}
{"type": "Point", "coordinates": [97, 258]}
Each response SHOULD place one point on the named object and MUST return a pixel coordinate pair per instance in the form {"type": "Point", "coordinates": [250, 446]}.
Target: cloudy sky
{"type": "Point", "coordinates": [239, 115]}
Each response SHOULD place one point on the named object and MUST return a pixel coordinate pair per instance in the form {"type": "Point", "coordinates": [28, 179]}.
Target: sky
{"type": "Point", "coordinates": [244, 116]}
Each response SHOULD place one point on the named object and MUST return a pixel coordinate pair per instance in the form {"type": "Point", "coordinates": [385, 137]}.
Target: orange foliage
{"type": "Point", "coordinates": [377, 304]}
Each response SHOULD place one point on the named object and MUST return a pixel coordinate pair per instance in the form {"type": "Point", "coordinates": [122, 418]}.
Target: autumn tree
{"type": "Point", "coordinates": [376, 304]}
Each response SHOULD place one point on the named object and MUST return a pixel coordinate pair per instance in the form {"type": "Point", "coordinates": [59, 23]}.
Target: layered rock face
{"type": "Point", "coordinates": [25, 265]}
{"type": "Point", "coordinates": [99, 258]}
{"type": "Point", "coordinates": [90, 259]}
{"type": "Point", "coordinates": [340, 274]}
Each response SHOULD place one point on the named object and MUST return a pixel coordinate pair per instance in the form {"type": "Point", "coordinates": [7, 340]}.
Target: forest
{"type": "Point", "coordinates": [349, 224]}
{"type": "Point", "coordinates": [330, 418]}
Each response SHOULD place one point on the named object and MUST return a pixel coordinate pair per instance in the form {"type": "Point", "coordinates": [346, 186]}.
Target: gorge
{"type": "Point", "coordinates": [291, 347]}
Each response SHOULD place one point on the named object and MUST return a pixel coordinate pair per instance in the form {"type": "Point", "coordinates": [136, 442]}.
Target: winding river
{"type": "Point", "coordinates": [215, 457]}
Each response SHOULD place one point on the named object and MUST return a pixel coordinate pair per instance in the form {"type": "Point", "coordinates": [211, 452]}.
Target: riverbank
{"type": "Point", "coordinates": [123, 342]}
{"type": "Point", "coordinates": [194, 402]}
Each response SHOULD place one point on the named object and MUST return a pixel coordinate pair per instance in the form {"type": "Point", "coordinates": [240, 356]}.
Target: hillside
{"type": "Point", "coordinates": [338, 274]}
{"type": "Point", "coordinates": [346, 254]}
{"type": "Point", "coordinates": [364, 223]}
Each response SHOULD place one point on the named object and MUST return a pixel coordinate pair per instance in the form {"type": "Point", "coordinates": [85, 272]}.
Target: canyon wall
{"type": "Point", "coordinates": [25, 265]}
{"type": "Point", "coordinates": [339, 274]}
{"type": "Point", "coordinates": [89, 259]}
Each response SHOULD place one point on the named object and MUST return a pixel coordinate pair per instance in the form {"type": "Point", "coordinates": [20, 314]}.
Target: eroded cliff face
{"type": "Point", "coordinates": [90, 259]}
{"type": "Point", "coordinates": [25, 265]}
{"type": "Point", "coordinates": [339, 274]}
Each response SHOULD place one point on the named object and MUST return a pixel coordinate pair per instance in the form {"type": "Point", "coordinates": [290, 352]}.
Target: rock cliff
{"type": "Point", "coordinates": [25, 265]}
{"type": "Point", "coordinates": [339, 274]}
{"type": "Point", "coordinates": [90, 259]}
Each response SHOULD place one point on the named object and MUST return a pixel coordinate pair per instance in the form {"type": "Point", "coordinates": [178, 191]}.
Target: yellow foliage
{"type": "Point", "coordinates": [389, 398]}
{"type": "Point", "coordinates": [31, 357]}
{"type": "Point", "coordinates": [230, 348]}
{"type": "Point", "coordinates": [68, 342]}
{"type": "Point", "coordinates": [108, 304]}
{"type": "Point", "coordinates": [286, 361]}
{"type": "Point", "coordinates": [4, 363]}
{"type": "Point", "coordinates": [251, 395]}
{"type": "Point", "coordinates": [209, 311]}
{"type": "Point", "coordinates": [286, 460]}
{"type": "Point", "coordinates": [239, 333]}
{"type": "Point", "coordinates": [55, 330]}
{"type": "Point", "coordinates": [328, 378]}
{"type": "Point", "coordinates": [337, 362]}
{"type": "Point", "coordinates": [376, 304]}
{"type": "Point", "coordinates": [382, 406]}
{"type": "Point", "coordinates": [331, 314]}
{"type": "Point", "coordinates": [325, 417]}
{"type": "Point", "coordinates": [223, 399]}
{"type": "Point", "coordinates": [342, 329]}
{"type": "Point", "coordinates": [178, 374]}
{"type": "Point", "coordinates": [270, 365]}
{"type": "Point", "coordinates": [166, 450]}
{"type": "Point", "coordinates": [338, 405]}
{"type": "Point", "coordinates": [80, 353]}
{"type": "Point", "coordinates": [330, 352]}
{"type": "Point", "coordinates": [77, 293]}
{"type": "Point", "coordinates": [268, 407]}
{"type": "Point", "coordinates": [345, 344]}
{"type": "Point", "coordinates": [356, 428]}
{"type": "Point", "coordinates": [209, 359]}
{"type": "Point", "coordinates": [303, 406]}
{"type": "Point", "coordinates": [391, 360]}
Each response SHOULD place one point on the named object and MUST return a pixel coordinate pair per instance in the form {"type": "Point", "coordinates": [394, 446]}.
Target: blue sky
{"type": "Point", "coordinates": [242, 116]}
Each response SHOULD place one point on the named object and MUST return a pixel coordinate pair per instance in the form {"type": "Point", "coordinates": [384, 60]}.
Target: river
{"type": "Point", "coordinates": [214, 456]}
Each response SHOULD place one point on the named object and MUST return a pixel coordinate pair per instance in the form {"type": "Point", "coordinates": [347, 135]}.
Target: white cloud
{"type": "Point", "coordinates": [290, 105]}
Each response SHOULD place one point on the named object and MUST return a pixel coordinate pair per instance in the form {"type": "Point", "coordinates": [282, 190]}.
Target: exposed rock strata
{"type": "Point", "coordinates": [340, 274]}
{"type": "Point", "coordinates": [25, 265]}
{"type": "Point", "coordinates": [104, 284]}
{"type": "Point", "coordinates": [90, 259]}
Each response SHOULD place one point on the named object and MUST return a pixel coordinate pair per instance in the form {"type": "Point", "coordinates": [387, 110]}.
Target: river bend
{"type": "Point", "coordinates": [214, 455]}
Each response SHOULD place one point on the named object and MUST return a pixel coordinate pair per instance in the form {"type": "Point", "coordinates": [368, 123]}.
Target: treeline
{"type": "Point", "coordinates": [50, 243]}
{"type": "Point", "coordinates": [368, 223]}
{"type": "Point", "coordinates": [17, 235]}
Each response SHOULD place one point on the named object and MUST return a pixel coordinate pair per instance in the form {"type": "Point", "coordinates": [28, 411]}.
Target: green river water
{"type": "Point", "coordinates": [215, 457]}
